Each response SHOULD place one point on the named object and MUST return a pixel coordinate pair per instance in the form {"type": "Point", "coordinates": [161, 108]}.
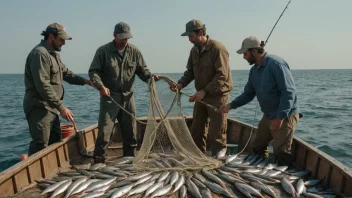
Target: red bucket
{"type": "Point", "coordinates": [66, 130]}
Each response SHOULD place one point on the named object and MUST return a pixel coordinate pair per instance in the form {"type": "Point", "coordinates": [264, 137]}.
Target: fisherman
{"type": "Point", "coordinates": [208, 66]}
{"type": "Point", "coordinates": [113, 71]}
{"type": "Point", "coordinates": [270, 79]}
{"type": "Point", "coordinates": [44, 92]}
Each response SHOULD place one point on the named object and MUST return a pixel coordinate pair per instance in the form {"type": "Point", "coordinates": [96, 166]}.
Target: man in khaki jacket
{"type": "Point", "coordinates": [44, 92]}
{"type": "Point", "coordinates": [113, 71]}
{"type": "Point", "coordinates": [208, 66]}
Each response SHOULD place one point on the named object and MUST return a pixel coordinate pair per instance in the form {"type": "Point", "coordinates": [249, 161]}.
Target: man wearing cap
{"type": "Point", "coordinates": [208, 66]}
{"type": "Point", "coordinates": [113, 71]}
{"type": "Point", "coordinates": [270, 79]}
{"type": "Point", "coordinates": [44, 92]}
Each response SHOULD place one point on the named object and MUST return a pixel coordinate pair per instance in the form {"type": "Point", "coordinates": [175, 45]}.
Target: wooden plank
{"type": "Point", "coordinates": [35, 171]}
{"type": "Point", "coordinates": [347, 187]}
{"type": "Point", "coordinates": [50, 163]}
{"type": "Point", "coordinates": [61, 155]}
{"type": "Point", "coordinates": [21, 179]}
{"type": "Point", "coordinates": [324, 167]}
{"type": "Point", "coordinates": [90, 139]}
{"type": "Point", "coordinates": [6, 187]}
{"type": "Point", "coordinates": [336, 180]}
{"type": "Point", "coordinates": [234, 134]}
{"type": "Point", "coordinates": [312, 160]}
{"type": "Point", "coordinates": [300, 157]}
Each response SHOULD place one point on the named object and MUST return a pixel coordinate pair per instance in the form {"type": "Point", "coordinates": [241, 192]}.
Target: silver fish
{"type": "Point", "coordinates": [53, 187]}
{"type": "Point", "coordinates": [46, 181]}
{"type": "Point", "coordinates": [103, 176]}
{"type": "Point", "coordinates": [166, 163]}
{"type": "Point", "coordinates": [83, 186]}
{"type": "Point", "coordinates": [167, 180]}
{"type": "Point", "coordinates": [213, 178]}
{"type": "Point", "coordinates": [230, 158]}
{"type": "Point", "coordinates": [61, 188]}
{"type": "Point", "coordinates": [174, 177]}
{"type": "Point", "coordinates": [121, 183]}
{"type": "Point", "coordinates": [121, 191]}
{"type": "Point", "coordinates": [159, 164]}
{"type": "Point", "coordinates": [301, 173]}
{"type": "Point", "coordinates": [183, 192]}
{"type": "Point", "coordinates": [137, 176]}
{"type": "Point", "coordinates": [192, 188]}
{"type": "Point", "coordinates": [155, 176]}
{"type": "Point", "coordinates": [231, 170]}
{"type": "Point", "coordinates": [198, 183]}
{"type": "Point", "coordinates": [311, 195]}
{"type": "Point", "coordinates": [152, 188]}
{"type": "Point", "coordinates": [288, 187]}
{"type": "Point", "coordinates": [70, 173]}
{"type": "Point", "coordinates": [313, 182]}
{"type": "Point", "coordinates": [205, 193]}
{"type": "Point", "coordinates": [178, 184]}
{"type": "Point", "coordinates": [123, 161]}
{"type": "Point", "coordinates": [85, 172]}
{"type": "Point", "coordinates": [42, 186]}
{"type": "Point", "coordinates": [222, 172]}
{"type": "Point", "coordinates": [141, 188]}
{"type": "Point", "coordinates": [264, 188]}
{"type": "Point", "coordinates": [163, 176]}
{"type": "Point", "coordinates": [218, 189]}
{"type": "Point", "coordinates": [96, 166]}
{"type": "Point", "coordinates": [113, 173]}
{"type": "Point", "coordinates": [281, 168]}
{"type": "Point", "coordinates": [229, 179]}
{"type": "Point", "coordinates": [300, 187]}
{"type": "Point", "coordinates": [94, 194]}
{"type": "Point", "coordinates": [175, 162]}
{"type": "Point", "coordinates": [143, 179]}
{"type": "Point", "coordinates": [263, 163]}
{"type": "Point", "coordinates": [200, 177]}
{"type": "Point", "coordinates": [74, 185]}
{"type": "Point", "coordinates": [247, 190]}
{"type": "Point", "coordinates": [99, 184]}
{"type": "Point", "coordinates": [161, 191]}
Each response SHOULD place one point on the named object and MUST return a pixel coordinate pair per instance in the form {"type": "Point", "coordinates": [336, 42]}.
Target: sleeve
{"type": "Point", "coordinates": [188, 75]}
{"type": "Point", "coordinates": [96, 69]}
{"type": "Point", "coordinates": [142, 70]}
{"type": "Point", "coordinates": [247, 96]}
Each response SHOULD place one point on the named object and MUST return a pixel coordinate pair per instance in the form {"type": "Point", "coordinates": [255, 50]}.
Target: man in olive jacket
{"type": "Point", "coordinates": [113, 71]}
{"type": "Point", "coordinates": [208, 66]}
{"type": "Point", "coordinates": [44, 92]}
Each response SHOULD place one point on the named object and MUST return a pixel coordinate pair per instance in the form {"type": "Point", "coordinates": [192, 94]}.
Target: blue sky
{"type": "Point", "coordinates": [314, 34]}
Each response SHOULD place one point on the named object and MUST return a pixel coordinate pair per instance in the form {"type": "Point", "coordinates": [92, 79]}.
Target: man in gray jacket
{"type": "Point", "coordinates": [44, 92]}
{"type": "Point", "coordinates": [113, 71]}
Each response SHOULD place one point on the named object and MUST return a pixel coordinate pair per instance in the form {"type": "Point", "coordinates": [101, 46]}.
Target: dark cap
{"type": "Point", "coordinates": [59, 30]}
{"type": "Point", "coordinates": [123, 30]}
{"type": "Point", "coordinates": [192, 26]}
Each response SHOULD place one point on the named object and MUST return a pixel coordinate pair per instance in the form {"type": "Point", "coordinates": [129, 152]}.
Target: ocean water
{"type": "Point", "coordinates": [325, 100]}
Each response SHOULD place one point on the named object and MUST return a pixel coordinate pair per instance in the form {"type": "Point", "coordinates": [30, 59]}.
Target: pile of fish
{"type": "Point", "coordinates": [243, 175]}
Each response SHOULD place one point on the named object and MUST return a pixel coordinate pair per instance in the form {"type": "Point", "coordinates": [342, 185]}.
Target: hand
{"type": "Point", "coordinates": [67, 114]}
{"type": "Point", "coordinates": [90, 83]}
{"type": "Point", "coordinates": [104, 91]}
{"type": "Point", "coordinates": [197, 97]}
{"type": "Point", "coordinates": [156, 77]}
{"type": "Point", "coordinates": [176, 88]}
{"type": "Point", "coordinates": [276, 124]}
{"type": "Point", "coordinates": [224, 108]}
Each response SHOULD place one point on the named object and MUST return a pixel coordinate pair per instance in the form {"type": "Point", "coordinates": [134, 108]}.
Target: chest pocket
{"type": "Point", "coordinates": [130, 68]}
{"type": "Point", "coordinates": [55, 76]}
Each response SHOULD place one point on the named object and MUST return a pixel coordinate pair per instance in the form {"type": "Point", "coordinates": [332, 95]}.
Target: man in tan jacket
{"type": "Point", "coordinates": [208, 66]}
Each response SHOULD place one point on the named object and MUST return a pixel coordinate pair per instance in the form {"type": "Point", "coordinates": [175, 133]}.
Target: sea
{"type": "Point", "coordinates": [325, 98]}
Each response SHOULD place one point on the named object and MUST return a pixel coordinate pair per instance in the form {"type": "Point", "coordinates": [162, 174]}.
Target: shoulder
{"type": "Point", "coordinates": [217, 45]}
{"type": "Point", "coordinates": [275, 62]}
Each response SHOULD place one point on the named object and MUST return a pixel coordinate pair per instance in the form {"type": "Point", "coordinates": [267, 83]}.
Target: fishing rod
{"type": "Point", "coordinates": [255, 111]}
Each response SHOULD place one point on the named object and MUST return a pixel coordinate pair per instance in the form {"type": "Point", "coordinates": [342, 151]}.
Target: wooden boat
{"type": "Point", "coordinates": [21, 177]}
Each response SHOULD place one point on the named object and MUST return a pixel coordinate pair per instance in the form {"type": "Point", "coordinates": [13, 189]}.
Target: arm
{"type": "Point", "coordinates": [142, 70]}
{"type": "Point", "coordinates": [96, 69]}
{"type": "Point", "coordinates": [72, 78]}
{"type": "Point", "coordinates": [188, 75]}
{"type": "Point", "coordinates": [222, 70]}
{"type": "Point", "coordinates": [286, 86]}
{"type": "Point", "coordinates": [246, 97]}
{"type": "Point", "coordinates": [40, 69]}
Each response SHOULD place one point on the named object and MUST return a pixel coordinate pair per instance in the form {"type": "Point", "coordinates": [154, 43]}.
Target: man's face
{"type": "Point", "coordinates": [194, 38]}
{"type": "Point", "coordinates": [248, 55]}
{"type": "Point", "coordinates": [57, 43]}
{"type": "Point", "coordinates": [120, 43]}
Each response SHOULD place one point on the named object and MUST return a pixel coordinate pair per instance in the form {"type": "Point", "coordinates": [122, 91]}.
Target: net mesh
{"type": "Point", "coordinates": [167, 142]}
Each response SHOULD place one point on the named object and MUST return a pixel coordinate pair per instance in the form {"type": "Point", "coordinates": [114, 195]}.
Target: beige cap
{"type": "Point", "coordinates": [123, 31]}
{"type": "Point", "coordinates": [58, 29]}
{"type": "Point", "coordinates": [249, 42]}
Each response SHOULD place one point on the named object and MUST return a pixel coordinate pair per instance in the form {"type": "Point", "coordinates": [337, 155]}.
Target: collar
{"type": "Point", "coordinates": [207, 45]}
{"type": "Point", "coordinates": [47, 47]}
{"type": "Point", "coordinates": [264, 61]}
{"type": "Point", "coordinates": [114, 49]}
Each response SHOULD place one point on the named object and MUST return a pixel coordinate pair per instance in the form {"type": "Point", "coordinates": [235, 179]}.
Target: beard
{"type": "Point", "coordinates": [56, 47]}
{"type": "Point", "coordinates": [251, 60]}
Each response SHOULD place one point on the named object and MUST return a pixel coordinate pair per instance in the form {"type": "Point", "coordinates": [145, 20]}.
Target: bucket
{"type": "Point", "coordinates": [66, 130]}
{"type": "Point", "coordinates": [232, 149]}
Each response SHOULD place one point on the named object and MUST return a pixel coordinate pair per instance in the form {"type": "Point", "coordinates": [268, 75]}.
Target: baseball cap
{"type": "Point", "coordinates": [123, 30]}
{"type": "Point", "coordinates": [192, 26]}
{"type": "Point", "coordinates": [249, 42]}
{"type": "Point", "coordinates": [58, 29]}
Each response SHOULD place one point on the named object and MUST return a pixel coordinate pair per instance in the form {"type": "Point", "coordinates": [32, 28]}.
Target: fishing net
{"type": "Point", "coordinates": [167, 142]}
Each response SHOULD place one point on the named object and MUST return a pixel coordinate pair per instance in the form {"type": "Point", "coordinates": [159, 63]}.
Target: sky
{"type": "Point", "coordinates": [314, 34]}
